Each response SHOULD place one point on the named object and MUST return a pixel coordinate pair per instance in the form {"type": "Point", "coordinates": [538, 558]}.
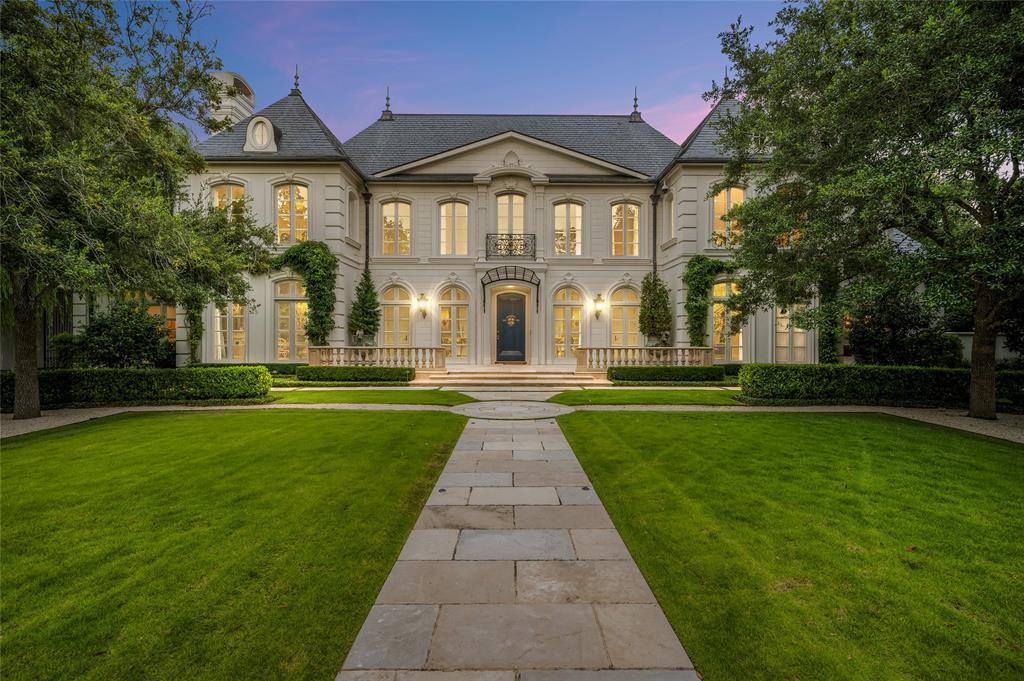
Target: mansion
{"type": "Point", "coordinates": [499, 238]}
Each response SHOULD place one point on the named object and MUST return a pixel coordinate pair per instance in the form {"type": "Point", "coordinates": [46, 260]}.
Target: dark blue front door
{"type": "Point", "coordinates": [511, 331]}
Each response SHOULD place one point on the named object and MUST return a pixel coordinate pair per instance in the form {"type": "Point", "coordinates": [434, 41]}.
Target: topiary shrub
{"type": "Point", "coordinates": [62, 387]}
{"type": "Point", "coordinates": [364, 317]}
{"type": "Point", "coordinates": [356, 374]}
{"type": "Point", "coordinates": [655, 310]}
{"type": "Point", "coordinates": [667, 374]}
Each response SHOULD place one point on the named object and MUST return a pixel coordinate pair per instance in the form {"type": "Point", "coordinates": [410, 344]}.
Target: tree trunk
{"type": "Point", "coordinates": [983, 356]}
{"type": "Point", "coordinates": [26, 359]}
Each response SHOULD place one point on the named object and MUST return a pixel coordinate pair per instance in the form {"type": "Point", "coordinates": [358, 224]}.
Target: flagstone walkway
{"type": "Point", "coordinates": [515, 572]}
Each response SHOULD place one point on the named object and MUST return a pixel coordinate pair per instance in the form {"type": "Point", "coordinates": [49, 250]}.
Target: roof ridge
{"type": "Point", "coordinates": [509, 115]}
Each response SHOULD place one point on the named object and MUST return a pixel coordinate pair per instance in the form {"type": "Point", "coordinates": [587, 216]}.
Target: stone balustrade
{"type": "Point", "coordinates": [423, 358]}
{"type": "Point", "coordinates": [599, 359]}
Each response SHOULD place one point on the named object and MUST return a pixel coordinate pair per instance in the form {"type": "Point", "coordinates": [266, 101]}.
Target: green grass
{"type": "Point", "coordinates": [219, 545]}
{"type": "Point", "coordinates": [599, 396]}
{"type": "Point", "coordinates": [433, 396]}
{"type": "Point", "coordinates": [820, 546]}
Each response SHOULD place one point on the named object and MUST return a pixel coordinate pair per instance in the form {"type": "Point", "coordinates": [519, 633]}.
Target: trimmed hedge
{"type": "Point", "coordinates": [869, 384]}
{"type": "Point", "coordinates": [60, 387]}
{"type": "Point", "coordinates": [276, 369]}
{"type": "Point", "coordinates": [667, 373]}
{"type": "Point", "coordinates": [732, 369]}
{"type": "Point", "coordinates": [356, 374]}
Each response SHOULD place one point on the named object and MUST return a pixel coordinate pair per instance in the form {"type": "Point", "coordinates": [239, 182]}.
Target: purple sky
{"type": "Point", "coordinates": [572, 57]}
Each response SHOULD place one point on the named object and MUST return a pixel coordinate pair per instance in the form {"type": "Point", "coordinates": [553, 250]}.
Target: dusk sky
{"type": "Point", "coordinates": [462, 57]}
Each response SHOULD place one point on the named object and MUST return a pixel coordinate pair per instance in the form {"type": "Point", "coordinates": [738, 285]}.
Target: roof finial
{"type": "Point", "coordinates": [386, 114]}
{"type": "Point", "coordinates": [296, 85]}
{"type": "Point", "coordinates": [635, 116]}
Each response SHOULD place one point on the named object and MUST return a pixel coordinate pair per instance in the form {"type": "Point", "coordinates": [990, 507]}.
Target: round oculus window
{"type": "Point", "coordinates": [260, 134]}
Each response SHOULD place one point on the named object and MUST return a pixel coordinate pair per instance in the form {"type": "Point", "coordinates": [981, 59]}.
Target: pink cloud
{"type": "Point", "coordinates": [678, 116]}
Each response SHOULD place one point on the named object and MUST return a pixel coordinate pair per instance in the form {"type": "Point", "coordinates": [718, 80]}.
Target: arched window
{"type": "Point", "coordinates": [625, 318]}
{"type": "Point", "coordinates": [395, 307]}
{"type": "Point", "coordinates": [229, 332]}
{"type": "Point", "coordinates": [568, 228]}
{"type": "Point", "coordinates": [290, 311]}
{"type": "Point", "coordinates": [396, 228]}
{"type": "Point", "coordinates": [790, 340]}
{"type": "Point", "coordinates": [625, 229]}
{"type": "Point", "coordinates": [226, 193]}
{"type": "Point", "coordinates": [511, 211]}
{"type": "Point", "coordinates": [726, 346]}
{"type": "Point", "coordinates": [453, 314]}
{"type": "Point", "coordinates": [292, 213]}
{"type": "Point", "coordinates": [567, 316]}
{"type": "Point", "coordinates": [725, 231]}
{"type": "Point", "coordinates": [454, 228]}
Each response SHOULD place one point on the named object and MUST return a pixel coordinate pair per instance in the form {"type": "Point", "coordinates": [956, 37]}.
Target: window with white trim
{"type": "Point", "coordinates": [454, 228]}
{"type": "Point", "coordinates": [290, 311]}
{"type": "Point", "coordinates": [726, 231]}
{"type": "Point", "coordinates": [292, 201]}
{"type": "Point", "coordinates": [511, 212]}
{"type": "Point", "coordinates": [229, 333]}
{"type": "Point", "coordinates": [453, 316]}
{"type": "Point", "coordinates": [568, 228]}
{"type": "Point", "coordinates": [625, 229]}
{"type": "Point", "coordinates": [225, 194]}
{"type": "Point", "coordinates": [396, 228]}
{"type": "Point", "coordinates": [396, 310]}
{"type": "Point", "coordinates": [625, 318]}
{"type": "Point", "coordinates": [567, 317]}
{"type": "Point", "coordinates": [790, 340]}
{"type": "Point", "coordinates": [726, 346]}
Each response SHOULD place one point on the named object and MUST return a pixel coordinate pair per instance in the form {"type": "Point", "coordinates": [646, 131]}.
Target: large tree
{"type": "Point", "coordinates": [884, 138]}
{"type": "Point", "coordinates": [94, 103]}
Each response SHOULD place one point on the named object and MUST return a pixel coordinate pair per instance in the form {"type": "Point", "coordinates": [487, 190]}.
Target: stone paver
{"type": "Point", "coordinates": [525, 572]}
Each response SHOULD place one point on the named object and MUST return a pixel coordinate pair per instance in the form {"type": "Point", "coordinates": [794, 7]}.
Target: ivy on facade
{"type": "Point", "coordinates": [699, 278]}
{"type": "Point", "coordinates": [317, 266]}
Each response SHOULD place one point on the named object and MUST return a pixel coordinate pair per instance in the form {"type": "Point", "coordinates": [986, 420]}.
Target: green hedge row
{"type": "Point", "coordinates": [356, 374]}
{"type": "Point", "coordinates": [667, 373]}
{"type": "Point", "coordinates": [59, 387]}
{"type": "Point", "coordinates": [276, 369]}
{"type": "Point", "coordinates": [867, 384]}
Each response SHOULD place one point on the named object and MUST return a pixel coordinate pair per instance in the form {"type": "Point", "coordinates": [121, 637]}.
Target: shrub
{"type": "Point", "coordinates": [276, 369]}
{"type": "Point", "coordinates": [732, 369]}
{"type": "Point", "coordinates": [667, 373]}
{"type": "Point", "coordinates": [897, 329]}
{"type": "Point", "coordinates": [655, 310]}
{"type": "Point", "coordinates": [865, 384]}
{"type": "Point", "coordinates": [66, 349]}
{"type": "Point", "coordinates": [59, 387]}
{"type": "Point", "coordinates": [356, 374]}
{"type": "Point", "coordinates": [125, 335]}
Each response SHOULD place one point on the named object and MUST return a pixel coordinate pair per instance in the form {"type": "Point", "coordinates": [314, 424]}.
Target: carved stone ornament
{"type": "Point", "coordinates": [394, 277]}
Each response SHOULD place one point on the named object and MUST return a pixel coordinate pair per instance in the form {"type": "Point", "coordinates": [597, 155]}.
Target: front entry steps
{"type": "Point", "coordinates": [509, 377]}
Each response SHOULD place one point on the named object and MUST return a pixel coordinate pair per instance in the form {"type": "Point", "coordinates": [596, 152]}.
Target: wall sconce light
{"type": "Point", "coordinates": [422, 304]}
{"type": "Point", "coordinates": [598, 306]}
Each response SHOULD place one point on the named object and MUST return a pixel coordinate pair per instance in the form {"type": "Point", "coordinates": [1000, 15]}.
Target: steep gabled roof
{"type": "Point", "coordinates": [299, 132]}
{"type": "Point", "coordinates": [702, 144]}
{"type": "Point", "coordinates": [389, 144]}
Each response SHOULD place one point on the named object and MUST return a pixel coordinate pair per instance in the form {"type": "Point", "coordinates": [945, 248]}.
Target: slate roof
{"type": "Point", "coordinates": [701, 146]}
{"type": "Point", "coordinates": [411, 137]}
{"type": "Point", "coordinates": [299, 132]}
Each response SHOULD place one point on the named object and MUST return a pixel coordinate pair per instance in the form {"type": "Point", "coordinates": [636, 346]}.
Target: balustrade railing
{"type": "Point", "coordinates": [512, 246]}
{"type": "Point", "coordinates": [599, 359]}
{"type": "Point", "coordinates": [425, 358]}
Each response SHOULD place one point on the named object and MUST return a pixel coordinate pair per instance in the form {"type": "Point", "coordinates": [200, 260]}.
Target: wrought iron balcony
{"type": "Point", "coordinates": [512, 246]}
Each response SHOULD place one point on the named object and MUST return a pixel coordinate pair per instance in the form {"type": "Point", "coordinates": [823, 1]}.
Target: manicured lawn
{"type": "Point", "coordinates": [820, 546]}
{"type": "Point", "coordinates": [441, 397]}
{"type": "Point", "coordinates": [219, 545]}
{"type": "Point", "coordinates": [599, 396]}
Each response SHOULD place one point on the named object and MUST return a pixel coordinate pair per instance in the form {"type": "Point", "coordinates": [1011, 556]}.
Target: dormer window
{"type": "Point", "coordinates": [259, 136]}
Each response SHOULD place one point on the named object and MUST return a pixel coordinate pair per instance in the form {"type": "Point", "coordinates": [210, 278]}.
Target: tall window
{"type": "Point", "coordinates": [625, 229]}
{"type": "Point", "coordinates": [292, 213]}
{"type": "Point", "coordinates": [511, 208]}
{"type": "Point", "coordinates": [568, 314]}
{"type": "Point", "coordinates": [226, 193]}
{"type": "Point", "coordinates": [625, 318]}
{"type": "Point", "coordinates": [353, 214]}
{"type": "Point", "coordinates": [454, 228]}
{"type": "Point", "coordinates": [790, 340]}
{"type": "Point", "coordinates": [725, 231]}
{"type": "Point", "coordinates": [395, 307]}
{"type": "Point", "coordinates": [568, 229]}
{"type": "Point", "coordinates": [290, 310]}
{"type": "Point", "coordinates": [396, 223]}
{"type": "Point", "coordinates": [454, 317]}
{"type": "Point", "coordinates": [229, 332]}
{"type": "Point", "coordinates": [726, 346]}
{"type": "Point", "coordinates": [670, 214]}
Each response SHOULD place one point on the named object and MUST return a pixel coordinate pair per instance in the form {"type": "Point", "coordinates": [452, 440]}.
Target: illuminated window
{"type": "Point", "coordinates": [229, 332]}
{"type": "Point", "coordinates": [396, 225]}
{"type": "Point", "coordinates": [226, 194]}
{"type": "Point", "coordinates": [725, 231]}
{"type": "Point", "coordinates": [568, 315]}
{"type": "Point", "coordinates": [625, 318]}
{"type": "Point", "coordinates": [454, 228]}
{"type": "Point", "coordinates": [454, 319]}
{"type": "Point", "coordinates": [511, 208]}
{"type": "Point", "coordinates": [292, 213]}
{"type": "Point", "coordinates": [625, 229]}
{"type": "Point", "coordinates": [790, 340]}
{"type": "Point", "coordinates": [726, 346]}
{"type": "Point", "coordinates": [395, 307]}
{"type": "Point", "coordinates": [290, 311]}
{"type": "Point", "coordinates": [568, 229]}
